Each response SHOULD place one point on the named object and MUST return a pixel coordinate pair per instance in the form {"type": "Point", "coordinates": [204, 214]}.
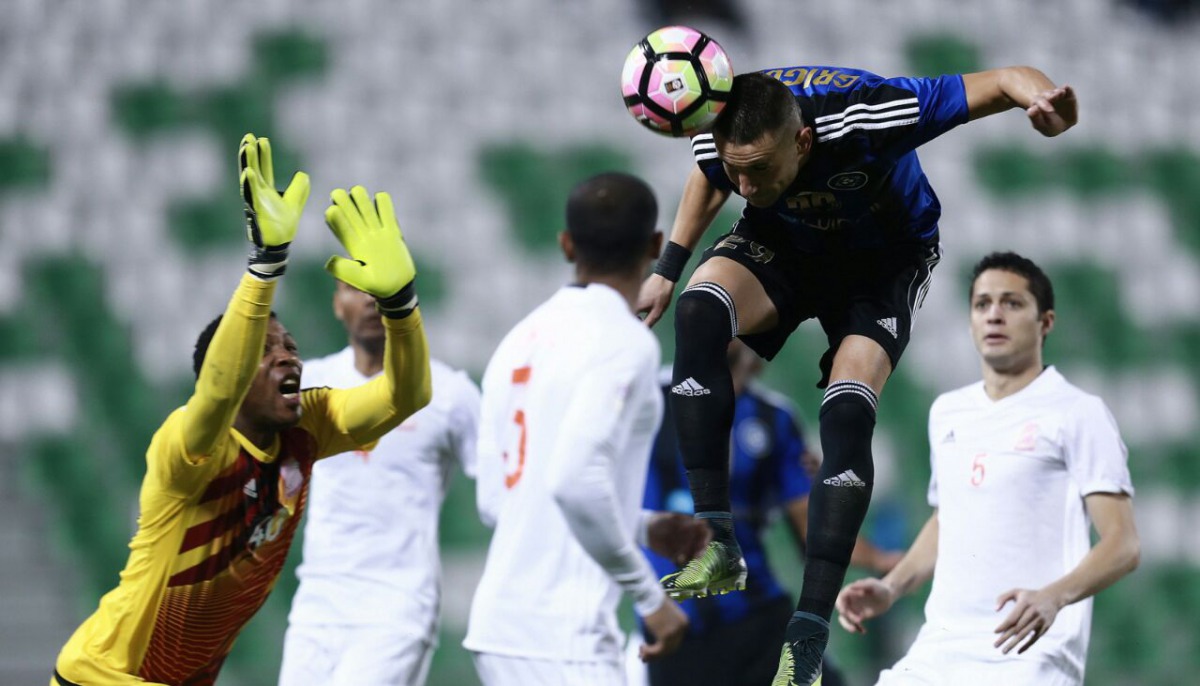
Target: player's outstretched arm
{"type": "Point", "coordinates": [868, 598]}
{"type": "Point", "coordinates": [1114, 555]}
{"type": "Point", "coordinates": [697, 208]}
{"type": "Point", "coordinates": [380, 264]}
{"type": "Point", "coordinates": [1051, 109]}
{"type": "Point", "coordinates": [237, 347]}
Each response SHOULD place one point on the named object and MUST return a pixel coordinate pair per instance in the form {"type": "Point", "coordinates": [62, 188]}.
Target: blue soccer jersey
{"type": "Point", "coordinates": [766, 473]}
{"type": "Point", "coordinates": [862, 186]}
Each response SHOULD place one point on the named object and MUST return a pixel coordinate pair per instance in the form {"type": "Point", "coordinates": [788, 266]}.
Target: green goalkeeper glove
{"type": "Point", "coordinates": [379, 263]}
{"type": "Point", "coordinates": [271, 216]}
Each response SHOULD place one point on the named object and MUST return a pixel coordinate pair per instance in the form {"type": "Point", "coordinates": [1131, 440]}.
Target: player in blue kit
{"type": "Point", "coordinates": [840, 225]}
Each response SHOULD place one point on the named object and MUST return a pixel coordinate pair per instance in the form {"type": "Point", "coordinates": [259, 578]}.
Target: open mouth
{"type": "Point", "coordinates": [289, 389]}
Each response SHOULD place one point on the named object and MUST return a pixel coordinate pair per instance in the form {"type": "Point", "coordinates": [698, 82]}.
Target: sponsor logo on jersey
{"type": "Point", "coordinates": [949, 438]}
{"type": "Point", "coordinates": [848, 181]}
{"type": "Point", "coordinates": [689, 387]}
{"type": "Point", "coordinates": [846, 478]}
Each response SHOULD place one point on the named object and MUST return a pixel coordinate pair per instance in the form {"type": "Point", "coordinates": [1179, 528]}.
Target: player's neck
{"type": "Point", "coordinates": [1001, 383]}
{"type": "Point", "coordinates": [262, 438]}
{"type": "Point", "coordinates": [367, 360]}
{"type": "Point", "coordinates": [625, 284]}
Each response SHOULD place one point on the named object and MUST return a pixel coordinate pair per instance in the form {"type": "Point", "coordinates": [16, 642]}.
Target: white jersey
{"type": "Point", "coordinates": [570, 407]}
{"type": "Point", "coordinates": [371, 541]}
{"type": "Point", "coordinates": [1009, 478]}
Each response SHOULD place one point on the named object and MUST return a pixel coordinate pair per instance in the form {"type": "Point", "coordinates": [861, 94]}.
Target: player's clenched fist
{"type": "Point", "coordinates": [379, 262]}
{"type": "Point", "coordinates": [271, 216]}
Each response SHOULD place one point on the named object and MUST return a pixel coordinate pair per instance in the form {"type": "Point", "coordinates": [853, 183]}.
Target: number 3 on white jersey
{"type": "Point", "coordinates": [514, 467]}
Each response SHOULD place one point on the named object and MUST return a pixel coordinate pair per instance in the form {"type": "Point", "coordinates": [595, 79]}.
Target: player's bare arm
{"type": "Point", "coordinates": [697, 208]}
{"type": "Point", "coordinates": [1051, 109]}
{"type": "Point", "coordinates": [869, 598]}
{"type": "Point", "coordinates": [1114, 555]}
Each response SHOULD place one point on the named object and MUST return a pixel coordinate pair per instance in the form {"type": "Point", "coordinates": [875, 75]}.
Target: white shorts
{"type": "Point", "coordinates": [339, 655]}
{"type": "Point", "coordinates": [924, 669]}
{"type": "Point", "coordinates": [506, 670]}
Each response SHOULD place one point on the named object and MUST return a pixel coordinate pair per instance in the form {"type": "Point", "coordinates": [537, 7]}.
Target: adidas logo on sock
{"type": "Point", "coordinates": [846, 478]}
{"type": "Point", "coordinates": [689, 387]}
{"type": "Point", "coordinates": [888, 323]}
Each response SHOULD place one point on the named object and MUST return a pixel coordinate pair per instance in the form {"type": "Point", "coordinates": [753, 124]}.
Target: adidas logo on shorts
{"type": "Point", "coordinates": [689, 387]}
{"type": "Point", "coordinates": [889, 325]}
{"type": "Point", "coordinates": [846, 478]}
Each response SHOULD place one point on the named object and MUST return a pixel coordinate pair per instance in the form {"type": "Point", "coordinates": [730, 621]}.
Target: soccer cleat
{"type": "Point", "coordinates": [719, 570]}
{"type": "Point", "coordinates": [800, 659]}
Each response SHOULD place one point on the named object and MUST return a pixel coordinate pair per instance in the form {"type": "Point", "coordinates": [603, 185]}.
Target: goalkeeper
{"type": "Point", "coordinates": [227, 475]}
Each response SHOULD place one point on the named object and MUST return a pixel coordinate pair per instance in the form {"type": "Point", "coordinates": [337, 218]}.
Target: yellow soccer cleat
{"type": "Point", "coordinates": [719, 570]}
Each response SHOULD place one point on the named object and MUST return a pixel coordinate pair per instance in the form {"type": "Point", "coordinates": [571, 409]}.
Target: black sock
{"type": "Point", "coordinates": [841, 493]}
{"type": "Point", "coordinates": [721, 524]}
{"type": "Point", "coordinates": [702, 392]}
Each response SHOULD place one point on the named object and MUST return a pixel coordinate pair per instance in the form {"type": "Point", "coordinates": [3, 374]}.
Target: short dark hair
{"type": "Point", "coordinates": [205, 340]}
{"type": "Point", "coordinates": [611, 219]}
{"type": "Point", "coordinates": [758, 104]}
{"type": "Point", "coordinates": [1039, 283]}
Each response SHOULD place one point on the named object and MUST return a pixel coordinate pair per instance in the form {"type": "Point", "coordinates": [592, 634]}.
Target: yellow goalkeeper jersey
{"type": "Point", "coordinates": [215, 528]}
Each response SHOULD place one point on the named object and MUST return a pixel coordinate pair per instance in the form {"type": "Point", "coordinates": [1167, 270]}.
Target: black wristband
{"type": "Point", "coordinates": [400, 305]}
{"type": "Point", "coordinates": [672, 261]}
{"type": "Point", "coordinates": [268, 263]}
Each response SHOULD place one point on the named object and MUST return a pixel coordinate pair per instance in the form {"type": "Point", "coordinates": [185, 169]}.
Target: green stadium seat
{"type": "Point", "coordinates": [290, 55]}
{"type": "Point", "coordinates": [146, 109]}
{"type": "Point", "coordinates": [943, 53]}
{"type": "Point", "coordinates": [23, 163]}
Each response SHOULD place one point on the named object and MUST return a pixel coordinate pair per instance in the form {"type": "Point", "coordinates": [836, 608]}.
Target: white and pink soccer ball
{"type": "Point", "coordinates": [676, 80]}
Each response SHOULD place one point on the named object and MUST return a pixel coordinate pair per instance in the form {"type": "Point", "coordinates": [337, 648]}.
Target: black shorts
{"type": "Point", "coordinates": [873, 292]}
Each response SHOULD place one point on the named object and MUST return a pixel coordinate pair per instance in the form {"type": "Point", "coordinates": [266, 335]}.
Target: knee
{"type": "Point", "coordinates": [705, 312]}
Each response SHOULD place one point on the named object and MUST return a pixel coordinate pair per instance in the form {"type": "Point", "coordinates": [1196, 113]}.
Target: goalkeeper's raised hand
{"type": "Point", "coordinates": [271, 216]}
{"type": "Point", "coordinates": [379, 263]}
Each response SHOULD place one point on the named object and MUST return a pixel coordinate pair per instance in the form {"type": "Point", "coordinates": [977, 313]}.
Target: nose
{"type": "Point", "coordinates": [995, 314]}
{"type": "Point", "coordinates": [288, 357]}
{"type": "Point", "coordinates": [745, 186]}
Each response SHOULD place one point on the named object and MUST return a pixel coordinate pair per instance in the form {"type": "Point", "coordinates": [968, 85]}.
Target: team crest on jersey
{"type": "Point", "coordinates": [848, 181]}
{"type": "Point", "coordinates": [291, 477]}
{"type": "Point", "coordinates": [1027, 440]}
{"type": "Point", "coordinates": [754, 437]}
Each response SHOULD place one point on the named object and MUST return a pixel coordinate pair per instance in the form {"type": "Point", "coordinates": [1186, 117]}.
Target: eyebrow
{"type": "Point", "coordinates": [1002, 294]}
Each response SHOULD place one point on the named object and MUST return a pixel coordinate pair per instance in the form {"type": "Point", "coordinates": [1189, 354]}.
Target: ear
{"type": "Point", "coordinates": [1047, 322]}
{"type": "Point", "coordinates": [804, 140]}
{"type": "Point", "coordinates": [338, 310]}
{"type": "Point", "coordinates": [567, 245]}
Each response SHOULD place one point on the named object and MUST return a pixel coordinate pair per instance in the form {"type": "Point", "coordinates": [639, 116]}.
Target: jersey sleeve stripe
{"type": "Point", "coordinates": [867, 127]}
{"type": "Point", "coordinates": [866, 107]}
{"type": "Point", "coordinates": [881, 116]}
{"type": "Point", "coordinates": [703, 147]}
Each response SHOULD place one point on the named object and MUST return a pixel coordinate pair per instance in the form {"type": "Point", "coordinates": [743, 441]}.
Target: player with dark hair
{"type": "Point", "coordinates": [570, 406]}
{"type": "Point", "coordinates": [1024, 464]}
{"type": "Point", "coordinates": [840, 225]}
{"type": "Point", "coordinates": [227, 474]}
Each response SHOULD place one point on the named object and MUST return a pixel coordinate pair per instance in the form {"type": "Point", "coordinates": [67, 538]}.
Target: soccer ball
{"type": "Point", "coordinates": [676, 80]}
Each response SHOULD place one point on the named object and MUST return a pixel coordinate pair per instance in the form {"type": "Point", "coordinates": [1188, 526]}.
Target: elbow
{"type": "Point", "coordinates": [569, 500]}
{"type": "Point", "coordinates": [424, 393]}
{"type": "Point", "coordinates": [1133, 556]}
